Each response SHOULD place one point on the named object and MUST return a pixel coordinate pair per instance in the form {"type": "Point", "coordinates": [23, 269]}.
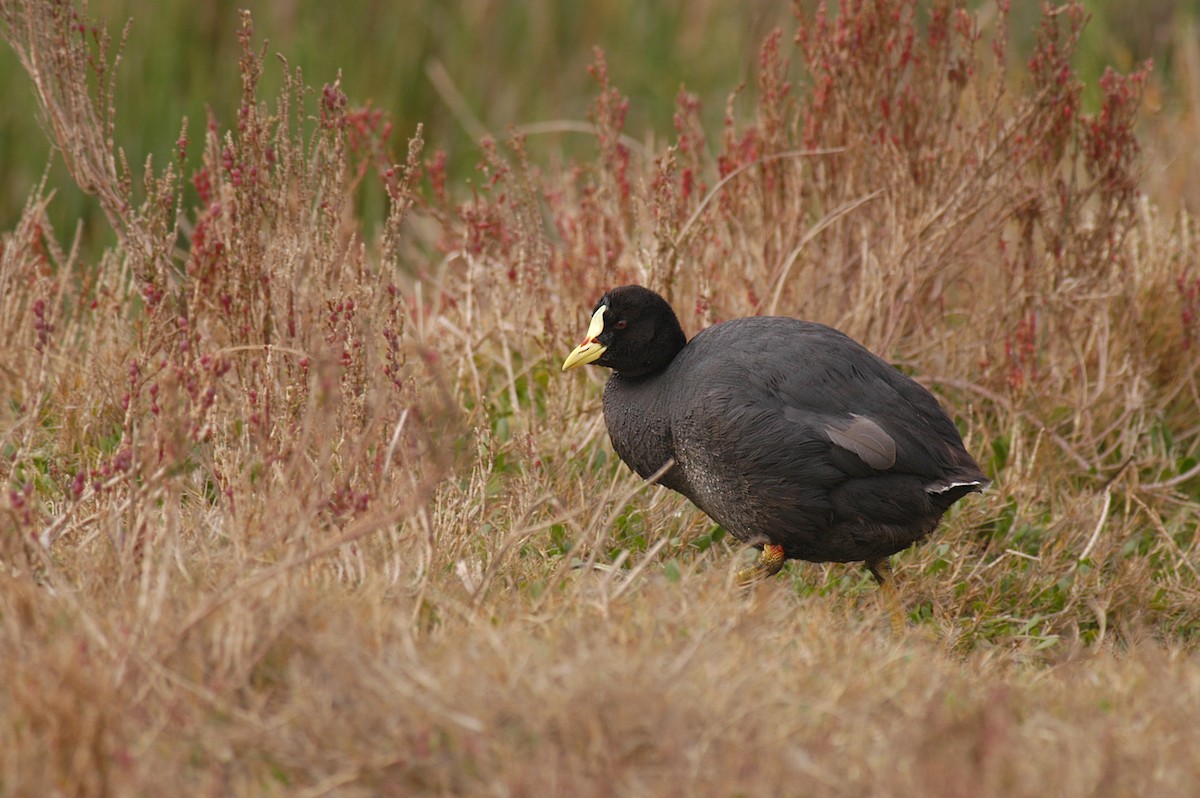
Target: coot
{"type": "Point", "coordinates": [792, 436]}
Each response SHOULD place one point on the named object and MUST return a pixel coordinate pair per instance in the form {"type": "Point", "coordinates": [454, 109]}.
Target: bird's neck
{"type": "Point", "coordinates": [635, 413]}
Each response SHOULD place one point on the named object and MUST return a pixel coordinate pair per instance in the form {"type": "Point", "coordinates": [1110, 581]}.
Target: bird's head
{"type": "Point", "coordinates": [633, 331]}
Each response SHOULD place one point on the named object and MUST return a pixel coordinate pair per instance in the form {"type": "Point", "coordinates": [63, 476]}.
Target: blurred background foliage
{"type": "Point", "coordinates": [476, 67]}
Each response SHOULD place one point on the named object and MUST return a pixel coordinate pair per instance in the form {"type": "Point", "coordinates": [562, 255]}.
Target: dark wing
{"type": "Point", "coordinates": [800, 403]}
{"type": "Point", "coordinates": [874, 416]}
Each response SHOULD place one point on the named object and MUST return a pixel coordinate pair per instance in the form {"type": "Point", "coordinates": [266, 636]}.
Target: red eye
{"type": "Point", "coordinates": [621, 325]}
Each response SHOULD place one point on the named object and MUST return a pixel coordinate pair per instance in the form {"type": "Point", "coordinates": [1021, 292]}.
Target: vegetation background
{"type": "Point", "coordinates": [296, 502]}
{"type": "Point", "coordinates": [469, 68]}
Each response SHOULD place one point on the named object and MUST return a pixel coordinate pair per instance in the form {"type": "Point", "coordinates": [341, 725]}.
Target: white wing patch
{"type": "Point", "coordinates": [942, 487]}
{"type": "Point", "coordinates": [867, 440]}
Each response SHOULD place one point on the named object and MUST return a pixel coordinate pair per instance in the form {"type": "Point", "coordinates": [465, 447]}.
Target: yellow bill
{"type": "Point", "coordinates": [591, 349]}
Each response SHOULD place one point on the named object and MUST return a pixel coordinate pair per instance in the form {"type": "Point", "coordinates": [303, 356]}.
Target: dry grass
{"type": "Point", "coordinates": [288, 511]}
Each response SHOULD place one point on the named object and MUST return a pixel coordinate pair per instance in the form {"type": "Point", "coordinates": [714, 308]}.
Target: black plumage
{"type": "Point", "coordinates": [788, 433]}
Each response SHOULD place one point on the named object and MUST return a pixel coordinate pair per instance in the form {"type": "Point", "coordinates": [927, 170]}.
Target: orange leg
{"type": "Point", "coordinates": [770, 561]}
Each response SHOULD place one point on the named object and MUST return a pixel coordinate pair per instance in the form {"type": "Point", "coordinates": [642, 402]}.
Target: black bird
{"type": "Point", "coordinates": [795, 438]}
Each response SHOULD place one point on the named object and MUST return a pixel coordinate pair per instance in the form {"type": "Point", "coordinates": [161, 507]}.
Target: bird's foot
{"type": "Point", "coordinates": [882, 571]}
{"type": "Point", "coordinates": [769, 563]}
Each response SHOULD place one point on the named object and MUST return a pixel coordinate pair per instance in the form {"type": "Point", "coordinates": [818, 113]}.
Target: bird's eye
{"type": "Point", "coordinates": [621, 325]}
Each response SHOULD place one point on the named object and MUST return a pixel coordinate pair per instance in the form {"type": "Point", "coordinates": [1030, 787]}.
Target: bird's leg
{"type": "Point", "coordinates": [770, 561]}
{"type": "Point", "coordinates": [881, 569]}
